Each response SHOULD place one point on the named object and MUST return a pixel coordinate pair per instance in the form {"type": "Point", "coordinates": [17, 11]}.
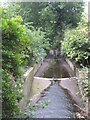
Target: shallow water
{"type": "Point", "coordinates": [60, 105]}
{"type": "Point", "coordinates": [56, 69]}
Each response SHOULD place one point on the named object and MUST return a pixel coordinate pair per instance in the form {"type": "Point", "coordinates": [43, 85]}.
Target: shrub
{"type": "Point", "coordinates": [21, 45]}
{"type": "Point", "coordinates": [76, 43]}
{"type": "Point", "coordinates": [14, 42]}
{"type": "Point", "coordinates": [76, 46]}
{"type": "Point", "coordinates": [38, 44]}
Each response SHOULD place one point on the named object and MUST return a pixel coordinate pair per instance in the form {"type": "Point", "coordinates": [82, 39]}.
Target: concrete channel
{"type": "Point", "coordinates": [61, 92]}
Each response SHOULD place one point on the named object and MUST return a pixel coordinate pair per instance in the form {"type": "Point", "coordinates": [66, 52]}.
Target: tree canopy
{"type": "Point", "coordinates": [29, 30]}
{"type": "Point", "coordinates": [52, 17]}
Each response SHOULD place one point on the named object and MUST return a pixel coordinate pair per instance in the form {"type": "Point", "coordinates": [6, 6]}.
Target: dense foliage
{"type": "Point", "coordinates": [85, 83]}
{"type": "Point", "coordinates": [38, 44]}
{"type": "Point", "coordinates": [76, 46]}
{"type": "Point", "coordinates": [52, 17]}
{"type": "Point", "coordinates": [28, 32]}
{"type": "Point", "coordinates": [75, 42]}
{"type": "Point", "coordinates": [20, 47]}
{"type": "Point", "coordinates": [14, 43]}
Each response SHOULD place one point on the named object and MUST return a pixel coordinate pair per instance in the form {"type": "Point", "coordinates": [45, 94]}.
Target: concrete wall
{"type": "Point", "coordinates": [36, 67]}
{"type": "Point", "coordinates": [28, 79]}
{"type": "Point", "coordinates": [72, 65]}
{"type": "Point", "coordinates": [38, 86]}
{"type": "Point", "coordinates": [78, 73]}
{"type": "Point", "coordinates": [79, 76]}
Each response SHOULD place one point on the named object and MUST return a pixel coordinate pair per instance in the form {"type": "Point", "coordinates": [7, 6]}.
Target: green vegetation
{"type": "Point", "coordinates": [14, 43]}
{"type": "Point", "coordinates": [31, 109]}
{"type": "Point", "coordinates": [75, 42]}
{"type": "Point", "coordinates": [38, 44]}
{"type": "Point", "coordinates": [85, 83]}
{"type": "Point", "coordinates": [20, 47]}
{"type": "Point", "coordinates": [52, 17]}
{"type": "Point", "coordinates": [76, 47]}
{"type": "Point", "coordinates": [29, 30]}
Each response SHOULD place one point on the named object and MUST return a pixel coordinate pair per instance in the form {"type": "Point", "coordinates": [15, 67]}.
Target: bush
{"type": "Point", "coordinates": [38, 44]}
{"type": "Point", "coordinates": [76, 46]}
{"type": "Point", "coordinates": [76, 43]}
{"type": "Point", "coordinates": [21, 45]}
{"type": "Point", "coordinates": [14, 44]}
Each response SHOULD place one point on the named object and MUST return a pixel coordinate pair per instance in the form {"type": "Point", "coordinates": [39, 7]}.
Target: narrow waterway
{"type": "Point", "coordinates": [60, 105]}
{"type": "Point", "coordinates": [56, 69]}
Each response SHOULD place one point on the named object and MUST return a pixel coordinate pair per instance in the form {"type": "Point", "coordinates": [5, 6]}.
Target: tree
{"type": "Point", "coordinates": [53, 17]}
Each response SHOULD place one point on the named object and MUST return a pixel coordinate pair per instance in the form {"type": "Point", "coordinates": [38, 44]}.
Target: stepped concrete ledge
{"type": "Point", "coordinates": [70, 84]}
{"type": "Point", "coordinates": [38, 86]}
{"type": "Point", "coordinates": [28, 72]}
{"type": "Point", "coordinates": [56, 79]}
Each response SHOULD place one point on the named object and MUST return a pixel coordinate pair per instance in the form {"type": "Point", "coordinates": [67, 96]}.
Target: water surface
{"type": "Point", "coordinates": [60, 107]}
{"type": "Point", "coordinates": [56, 69]}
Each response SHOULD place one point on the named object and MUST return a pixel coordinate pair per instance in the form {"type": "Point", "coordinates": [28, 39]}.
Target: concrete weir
{"type": "Point", "coordinates": [43, 83]}
{"type": "Point", "coordinates": [37, 80]}
{"type": "Point", "coordinates": [70, 84]}
{"type": "Point", "coordinates": [55, 79]}
{"type": "Point", "coordinates": [67, 86]}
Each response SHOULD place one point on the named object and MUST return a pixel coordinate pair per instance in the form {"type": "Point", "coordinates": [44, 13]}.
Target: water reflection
{"type": "Point", "coordinates": [56, 69]}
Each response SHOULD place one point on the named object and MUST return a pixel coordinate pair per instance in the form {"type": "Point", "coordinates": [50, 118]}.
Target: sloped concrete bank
{"type": "Point", "coordinates": [28, 78]}
{"type": "Point", "coordinates": [34, 86]}
{"type": "Point", "coordinates": [72, 85]}
{"type": "Point", "coordinates": [78, 96]}
{"type": "Point", "coordinates": [38, 87]}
